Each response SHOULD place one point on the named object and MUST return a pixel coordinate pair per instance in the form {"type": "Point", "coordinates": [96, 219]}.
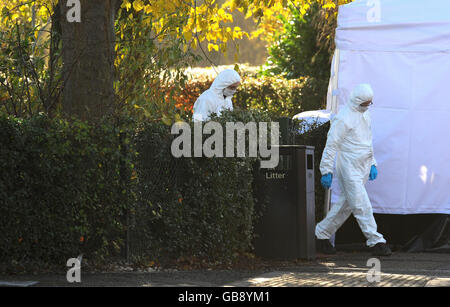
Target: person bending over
{"type": "Point", "coordinates": [218, 97]}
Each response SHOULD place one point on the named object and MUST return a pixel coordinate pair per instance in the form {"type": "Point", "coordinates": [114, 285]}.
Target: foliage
{"type": "Point", "coordinates": [29, 81]}
{"type": "Point", "coordinates": [196, 21]}
{"type": "Point", "coordinates": [155, 42]}
{"type": "Point", "coordinates": [268, 13]}
{"type": "Point", "coordinates": [66, 186]}
{"type": "Point", "coordinates": [193, 207]}
{"type": "Point", "coordinates": [150, 69]}
{"type": "Point", "coordinates": [277, 96]}
{"type": "Point", "coordinates": [69, 187]}
{"type": "Point", "coordinates": [189, 94]}
{"type": "Point", "coordinates": [146, 60]}
{"type": "Point", "coordinates": [295, 52]}
{"type": "Point", "coordinates": [280, 97]}
{"type": "Point", "coordinates": [62, 189]}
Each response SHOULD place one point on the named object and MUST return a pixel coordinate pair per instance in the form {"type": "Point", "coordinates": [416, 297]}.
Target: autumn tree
{"type": "Point", "coordinates": [95, 50]}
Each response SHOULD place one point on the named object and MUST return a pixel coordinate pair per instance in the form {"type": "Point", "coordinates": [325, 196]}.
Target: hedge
{"type": "Point", "coordinates": [277, 96]}
{"type": "Point", "coordinates": [67, 188]}
{"type": "Point", "coordinates": [198, 207]}
{"type": "Point", "coordinates": [61, 190]}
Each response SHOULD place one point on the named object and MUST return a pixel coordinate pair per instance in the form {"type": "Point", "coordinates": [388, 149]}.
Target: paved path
{"type": "Point", "coordinates": [343, 269]}
{"type": "Point", "coordinates": [350, 270]}
{"type": "Point", "coordinates": [284, 279]}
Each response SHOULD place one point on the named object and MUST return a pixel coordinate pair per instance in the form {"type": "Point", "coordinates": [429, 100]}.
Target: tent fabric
{"type": "Point", "coordinates": [405, 56]}
{"type": "Point", "coordinates": [402, 25]}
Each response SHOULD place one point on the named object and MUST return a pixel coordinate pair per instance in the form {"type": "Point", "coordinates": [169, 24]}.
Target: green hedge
{"type": "Point", "coordinates": [279, 96]}
{"type": "Point", "coordinates": [61, 190]}
{"type": "Point", "coordinates": [193, 207]}
{"type": "Point", "coordinates": [276, 96]}
{"type": "Point", "coordinates": [68, 188]}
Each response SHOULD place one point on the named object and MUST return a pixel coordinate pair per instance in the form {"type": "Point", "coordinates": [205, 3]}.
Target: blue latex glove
{"type": "Point", "coordinates": [326, 180]}
{"type": "Point", "coordinates": [373, 173]}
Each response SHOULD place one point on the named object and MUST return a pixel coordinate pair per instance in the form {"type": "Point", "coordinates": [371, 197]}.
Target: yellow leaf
{"type": "Point", "coordinates": [329, 5]}
{"type": "Point", "coordinates": [213, 46]}
{"type": "Point", "coordinates": [126, 4]}
{"type": "Point", "coordinates": [194, 44]}
{"type": "Point", "coordinates": [148, 9]}
{"type": "Point", "coordinates": [138, 5]}
{"type": "Point", "coordinates": [188, 36]}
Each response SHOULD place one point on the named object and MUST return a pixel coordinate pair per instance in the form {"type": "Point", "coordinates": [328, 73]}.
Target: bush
{"type": "Point", "coordinates": [61, 190]}
{"type": "Point", "coordinates": [277, 96]}
{"type": "Point", "coordinates": [280, 97]}
{"type": "Point", "coordinates": [295, 52]}
{"type": "Point", "coordinates": [68, 188]}
{"type": "Point", "coordinates": [194, 207]}
{"type": "Point", "coordinates": [299, 53]}
{"type": "Point", "coordinates": [189, 94]}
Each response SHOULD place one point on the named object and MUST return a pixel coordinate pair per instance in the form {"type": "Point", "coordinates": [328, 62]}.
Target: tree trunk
{"type": "Point", "coordinates": [88, 60]}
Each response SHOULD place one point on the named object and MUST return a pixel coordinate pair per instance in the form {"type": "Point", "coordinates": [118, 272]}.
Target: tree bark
{"type": "Point", "coordinates": [88, 60]}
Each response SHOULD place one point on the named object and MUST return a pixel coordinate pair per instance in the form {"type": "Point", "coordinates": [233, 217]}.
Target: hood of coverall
{"type": "Point", "coordinates": [223, 80]}
{"type": "Point", "coordinates": [360, 94]}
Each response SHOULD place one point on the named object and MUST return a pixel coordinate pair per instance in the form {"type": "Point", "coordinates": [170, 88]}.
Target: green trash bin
{"type": "Point", "coordinates": [285, 194]}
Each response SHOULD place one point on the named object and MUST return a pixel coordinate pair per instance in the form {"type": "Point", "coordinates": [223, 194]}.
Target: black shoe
{"type": "Point", "coordinates": [381, 249]}
{"type": "Point", "coordinates": [324, 246]}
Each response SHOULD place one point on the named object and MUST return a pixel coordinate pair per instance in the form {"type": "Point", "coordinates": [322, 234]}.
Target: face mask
{"type": "Point", "coordinates": [228, 92]}
{"type": "Point", "coordinates": [363, 109]}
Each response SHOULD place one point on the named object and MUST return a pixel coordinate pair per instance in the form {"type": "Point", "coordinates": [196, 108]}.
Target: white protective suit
{"type": "Point", "coordinates": [350, 137]}
{"type": "Point", "coordinates": [213, 100]}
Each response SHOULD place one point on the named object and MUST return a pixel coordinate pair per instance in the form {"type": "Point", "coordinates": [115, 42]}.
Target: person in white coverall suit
{"type": "Point", "coordinates": [218, 97]}
{"type": "Point", "coordinates": [350, 138]}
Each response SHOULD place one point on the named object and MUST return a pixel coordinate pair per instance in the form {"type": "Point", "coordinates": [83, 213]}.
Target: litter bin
{"type": "Point", "coordinates": [285, 229]}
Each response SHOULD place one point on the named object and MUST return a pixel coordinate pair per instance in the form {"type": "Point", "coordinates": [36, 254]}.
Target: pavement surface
{"type": "Point", "coordinates": [340, 270]}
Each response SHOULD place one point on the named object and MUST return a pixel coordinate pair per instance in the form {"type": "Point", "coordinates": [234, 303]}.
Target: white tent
{"type": "Point", "coordinates": [402, 48]}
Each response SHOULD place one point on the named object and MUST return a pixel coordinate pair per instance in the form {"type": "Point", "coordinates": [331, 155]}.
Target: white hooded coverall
{"type": "Point", "coordinates": [213, 100]}
{"type": "Point", "coordinates": [350, 137]}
